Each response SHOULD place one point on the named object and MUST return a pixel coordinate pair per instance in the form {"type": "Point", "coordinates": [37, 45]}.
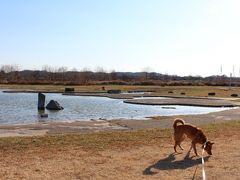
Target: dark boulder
{"type": "Point", "coordinates": [43, 115]}
{"type": "Point", "coordinates": [211, 93]}
{"type": "Point", "coordinates": [114, 91]}
{"type": "Point", "coordinates": [69, 90]}
{"type": "Point", "coordinates": [54, 105]}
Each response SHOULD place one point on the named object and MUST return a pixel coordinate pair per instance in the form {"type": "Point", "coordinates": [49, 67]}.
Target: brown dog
{"type": "Point", "coordinates": [192, 132]}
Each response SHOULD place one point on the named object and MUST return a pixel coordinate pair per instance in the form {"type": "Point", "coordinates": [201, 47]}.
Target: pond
{"type": "Point", "coordinates": [21, 108]}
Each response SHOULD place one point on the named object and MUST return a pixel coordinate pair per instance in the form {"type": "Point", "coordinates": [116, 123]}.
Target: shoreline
{"type": "Point", "coordinates": [43, 128]}
{"type": "Point", "coordinates": [161, 122]}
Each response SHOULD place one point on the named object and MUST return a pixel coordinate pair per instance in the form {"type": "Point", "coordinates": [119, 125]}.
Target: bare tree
{"type": "Point", "coordinates": [145, 72]}
{"type": "Point", "coordinates": [113, 75]}
{"type": "Point", "coordinates": [49, 72]}
{"type": "Point", "coordinates": [100, 73]}
{"type": "Point", "coordinates": [85, 76]}
{"type": "Point", "coordinates": [2, 75]}
{"type": "Point", "coordinates": [62, 70]}
{"type": "Point", "coordinates": [11, 70]}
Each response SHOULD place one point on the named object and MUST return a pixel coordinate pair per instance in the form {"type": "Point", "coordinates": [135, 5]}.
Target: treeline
{"type": "Point", "coordinates": [61, 76]}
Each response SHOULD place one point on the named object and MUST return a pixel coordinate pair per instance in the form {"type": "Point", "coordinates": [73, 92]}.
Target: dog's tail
{"type": "Point", "coordinates": [178, 121]}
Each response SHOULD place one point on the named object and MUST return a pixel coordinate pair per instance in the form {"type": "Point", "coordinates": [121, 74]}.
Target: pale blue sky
{"type": "Point", "coordinates": [183, 37]}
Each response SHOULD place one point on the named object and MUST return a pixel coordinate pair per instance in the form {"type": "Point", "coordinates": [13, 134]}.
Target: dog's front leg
{"type": "Point", "coordinates": [190, 148]}
{"type": "Point", "coordinates": [194, 148]}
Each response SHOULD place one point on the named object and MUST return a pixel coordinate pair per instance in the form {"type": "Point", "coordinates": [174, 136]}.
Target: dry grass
{"type": "Point", "coordinates": [104, 140]}
{"type": "Point", "coordinates": [90, 141]}
{"type": "Point", "coordinates": [142, 154]}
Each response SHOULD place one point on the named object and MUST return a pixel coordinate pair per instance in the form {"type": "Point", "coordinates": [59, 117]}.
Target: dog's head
{"type": "Point", "coordinates": [208, 147]}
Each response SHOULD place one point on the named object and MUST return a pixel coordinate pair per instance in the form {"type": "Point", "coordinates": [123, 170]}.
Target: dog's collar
{"type": "Point", "coordinates": [204, 144]}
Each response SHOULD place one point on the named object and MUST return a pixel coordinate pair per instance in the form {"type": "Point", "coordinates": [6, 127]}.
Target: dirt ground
{"type": "Point", "coordinates": [145, 160]}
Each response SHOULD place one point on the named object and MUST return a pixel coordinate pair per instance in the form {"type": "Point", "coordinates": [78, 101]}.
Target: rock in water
{"type": "Point", "coordinates": [41, 101]}
{"type": "Point", "coordinates": [54, 105]}
{"type": "Point", "coordinates": [43, 115]}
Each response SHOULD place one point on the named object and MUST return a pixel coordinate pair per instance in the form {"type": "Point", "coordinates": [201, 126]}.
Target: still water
{"type": "Point", "coordinates": [19, 108]}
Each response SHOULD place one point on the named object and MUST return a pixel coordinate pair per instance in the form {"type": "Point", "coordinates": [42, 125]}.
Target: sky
{"type": "Point", "coordinates": [200, 37]}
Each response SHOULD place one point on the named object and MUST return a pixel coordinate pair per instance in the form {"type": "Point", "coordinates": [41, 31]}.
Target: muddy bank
{"type": "Point", "coordinates": [58, 128]}
{"type": "Point", "coordinates": [203, 102]}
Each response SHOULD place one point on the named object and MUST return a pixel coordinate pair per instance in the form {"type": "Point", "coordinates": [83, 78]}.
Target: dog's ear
{"type": "Point", "coordinates": [212, 143]}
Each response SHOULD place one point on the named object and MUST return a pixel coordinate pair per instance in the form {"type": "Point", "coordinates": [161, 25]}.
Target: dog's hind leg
{"type": "Point", "coordinates": [178, 143]}
{"type": "Point", "coordinates": [175, 147]}
{"type": "Point", "coordinates": [181, 140]}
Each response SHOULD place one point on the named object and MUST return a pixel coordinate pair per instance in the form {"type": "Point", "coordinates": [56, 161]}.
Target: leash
{"type": "Point", "coordinates": [203, 171]}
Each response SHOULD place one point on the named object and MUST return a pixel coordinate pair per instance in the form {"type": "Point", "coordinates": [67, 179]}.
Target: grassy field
{"type": "Point", "coordinates": [142, 154]}
{"type": "Point", "coordinates": [102, 140]}
{"type": "Point", "coordinates": [201, 91]}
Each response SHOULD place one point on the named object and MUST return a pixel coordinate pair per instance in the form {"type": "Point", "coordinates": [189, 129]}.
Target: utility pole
{"type": "Point", "coordinates": [233, 72]}
{"type": "Point", "coordinates": [230, 81]}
